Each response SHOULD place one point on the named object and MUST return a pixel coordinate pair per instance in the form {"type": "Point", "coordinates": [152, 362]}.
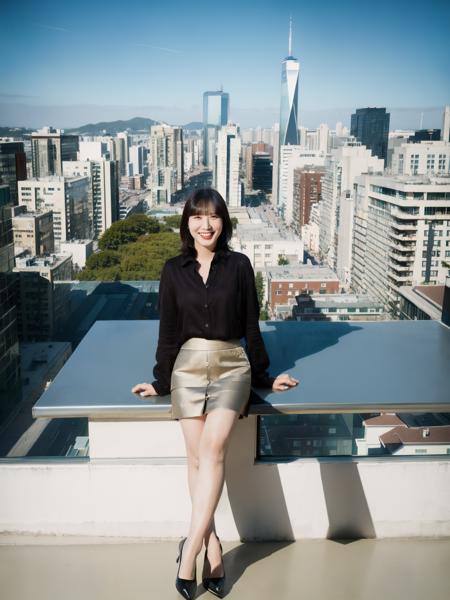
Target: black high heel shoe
{"type": "Point", "coordinates": [186, 587]}
{"type": "Point", "coordinates": [215, 585]}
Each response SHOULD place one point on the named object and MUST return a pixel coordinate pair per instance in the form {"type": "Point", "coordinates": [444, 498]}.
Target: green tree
{"type": "Point", "coordinates": [264, 314]}
{"type": "Point", "coordinates": [282, 260]}
{"type": "Point", "coordinates": [101, 260]}
{"type": "Point", "coordinates": [259, 284]}
{"type": "Point", "coordinates": [128, 230]}
{"type": "Point", "coordinates": [234, 222]}
{"type": "Point", "coordinates": [173, 221]}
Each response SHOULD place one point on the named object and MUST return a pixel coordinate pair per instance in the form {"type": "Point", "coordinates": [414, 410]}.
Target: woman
{"type": "Point", "coordinates": [207, 303]}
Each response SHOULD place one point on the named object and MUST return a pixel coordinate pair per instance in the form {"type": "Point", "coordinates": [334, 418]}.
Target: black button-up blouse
{"type": "Point", "coordinates": [224, 308]}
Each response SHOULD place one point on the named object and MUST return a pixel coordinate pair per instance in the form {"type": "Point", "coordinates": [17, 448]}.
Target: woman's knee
{"type": "Point", "coordinates": [212, 449]}
{"type": "Point", "coordinates": [193, 461]}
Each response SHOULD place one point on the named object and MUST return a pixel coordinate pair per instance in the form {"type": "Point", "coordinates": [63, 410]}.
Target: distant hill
{"type": "Point", "coordinates": [193, 125]}
{"type": "Point", "coordinates": [136, 124]}
{"type": "Point", "coordinates": [14, 131]}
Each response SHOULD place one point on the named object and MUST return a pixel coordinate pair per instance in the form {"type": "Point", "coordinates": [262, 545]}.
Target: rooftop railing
{"type": "Point", "coordinates": [134, 480]}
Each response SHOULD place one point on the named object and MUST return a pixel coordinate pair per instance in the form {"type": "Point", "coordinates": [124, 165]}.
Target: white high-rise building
{"type": "Point", "coordinates": [67, 197]}
{"type": "Point", "coordinates": [288, 128]}
{"type": "Point", "coordinates": [345, 163]}
{"type": "Point", "coordinates": [289, 97]}
{"type": "Point", "coordinates": [103, 190]}
{"type": "Point", "coordinates": [123, 135]}
{"type": "Point", "coordinates": [227, 164]}
{"type": "Point", "coordinates": [401, 234]}
{"type": "Point", "coordinates": [303, 133]}
{"type": "Point", "coordinates": [445, 131]}
{"type": "Point", "coordinates": [292, 157]}
{"type": "Point", "coordinates": [323, 133]}
{"type": "Point", "coordinates": [93, 150]}
{"type": "Point", "coordinates": [421, 158]}
{"type": "Point", "coordinates": [167, 162]}
{"type": "Point", "coordinates": [338, 129]}
{"type": "Point", "coordinates": [138, 156]}
{"type": "Point", "coordinates": [275, 164]}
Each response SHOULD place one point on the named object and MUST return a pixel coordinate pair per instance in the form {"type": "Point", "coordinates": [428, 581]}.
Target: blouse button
{"type": "Point", "coordinates": [206, 324]}
{"type": "Point", "coordinates": [206, 306]}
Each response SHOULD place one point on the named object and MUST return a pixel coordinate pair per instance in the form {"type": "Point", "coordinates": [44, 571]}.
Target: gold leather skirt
{"type": "Point", "coordinates": [208, 374]}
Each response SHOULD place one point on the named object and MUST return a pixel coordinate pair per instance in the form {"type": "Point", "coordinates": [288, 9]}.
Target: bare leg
{"type": "Point", "coordinates": [213, 444]}
{"type": "Point", "coordinates": [192, 429]}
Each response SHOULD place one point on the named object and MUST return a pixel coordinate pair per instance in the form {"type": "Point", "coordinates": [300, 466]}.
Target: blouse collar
{"type": "Point", "coordinates": [222, 253]}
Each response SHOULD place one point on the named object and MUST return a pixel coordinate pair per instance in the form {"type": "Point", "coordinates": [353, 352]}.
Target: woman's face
{"type": "Point", "coordinates": [205, 228]}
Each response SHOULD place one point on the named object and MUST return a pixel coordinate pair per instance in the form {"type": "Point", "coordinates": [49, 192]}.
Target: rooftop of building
{"type": "Point", "coordinates": [50, 131]}
{"type": "Point", "coordinates": [34, 263]}
{"type": "Point", "coordinates": [81, 242]}
{"type": "Point", "coordinates": [31, 214]}
{"type": "Point", "coordinates": [301, 271]}
{"type": "Point", "coordinates": [384, 420]}
{"type": "Point", "coordinates": [50, 179]}
{"type": "Point", "coordinates": [430, 143]}
{"type": "Point", "coordinates": [347, 300]}
{"type": "Point", "coordinates": [427, 298]}
{"type": "Point", "coordinates": [77, 567]}
{"type": "Point", "coordinates": [411, 182]}
{"type": "Point", "coordinates": [417, 435]}
{"type": "Point", "coordinates": [260, 232]}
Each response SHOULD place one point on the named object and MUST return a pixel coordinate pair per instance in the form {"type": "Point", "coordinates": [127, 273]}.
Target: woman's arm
{"type": "Point", "coordinates": [167, 349]}
{"type": "Point", "coordinates": [258, 357]}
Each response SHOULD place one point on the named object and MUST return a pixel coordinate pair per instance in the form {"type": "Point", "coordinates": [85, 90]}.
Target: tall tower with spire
{"type": "Point", "coordinates": [289, 97]}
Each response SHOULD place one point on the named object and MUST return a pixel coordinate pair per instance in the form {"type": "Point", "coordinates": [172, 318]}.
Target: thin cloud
{"type": "Point", "coordinates": [4, 95]}
{"type": "Point", "coordinates": [52, 27]}
{"type": "Point", "coordinates": [158, 48]}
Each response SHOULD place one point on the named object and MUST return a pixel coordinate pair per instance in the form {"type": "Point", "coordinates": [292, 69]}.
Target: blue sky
{"type": "Point", "coordinates": [69, 63]}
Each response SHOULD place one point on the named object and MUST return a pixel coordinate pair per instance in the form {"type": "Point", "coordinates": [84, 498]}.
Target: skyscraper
{"type": "Point", "coordinates": [445, 131]}
{"type": "Point", "coordinates": [370, 126]}
{"type": "Point", "coordinates": [12, 166]}
{"type": "Point", "coordinates": [215, 115]}
{"type": "Point", "coordinates": [103, 190]}
{"type": "Point", "coordinates": [226, 174]}
{"type": "Point", "coordinates": [67, 197]}
{"type": "Point", "coordinates": [167, 172]}
{"type": "Point", "coordinates": [288, 128]}
{"type": "Point", "coordinates": [49, 147]}
{"type": "Point", "coordinates": [289, 97]}
{"type": "Point", "coordinates": [10, 384]}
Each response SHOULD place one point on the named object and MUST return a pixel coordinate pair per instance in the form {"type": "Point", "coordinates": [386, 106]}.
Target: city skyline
{"type": "Point", "coordinates": [68, 70]}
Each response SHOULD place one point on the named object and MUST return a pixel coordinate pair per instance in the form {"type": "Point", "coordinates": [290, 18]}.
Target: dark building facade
{"type": "Point", "coordinates": [49, 148]}
{"type": "Point", "coordinates": [425, 135]}
{"type": "Point", "coordinates": [9, 341]}
{"type": "Point", "coordinates": [262, 171]}
{"type": "Point", "coordinates": [13, 166]}
{"type": "Point", "coordinates": [371, 127]}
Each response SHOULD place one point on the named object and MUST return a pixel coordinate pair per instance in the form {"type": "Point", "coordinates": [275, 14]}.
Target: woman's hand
{"type": "Point", "coordinates": [283, 382]}
{"type": "Point", "coordinates": [144, 389]}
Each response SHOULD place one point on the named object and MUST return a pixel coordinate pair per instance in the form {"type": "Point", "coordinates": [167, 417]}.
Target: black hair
{"type": "Point", "coordinates": [197, 203]}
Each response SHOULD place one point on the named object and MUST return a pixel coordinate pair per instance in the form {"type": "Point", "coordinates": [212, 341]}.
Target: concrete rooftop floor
{"type": "Point", "coordinates": [53, 568]}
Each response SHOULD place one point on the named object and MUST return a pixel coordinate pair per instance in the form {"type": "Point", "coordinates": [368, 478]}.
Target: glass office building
{"type": "Point", "coordinates": [215, 115]}
{"type": "Point", "coordinates": [370, 126]}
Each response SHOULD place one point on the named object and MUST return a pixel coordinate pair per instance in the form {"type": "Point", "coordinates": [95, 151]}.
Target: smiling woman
{"type": "Point", "coordinates": [207, 304]}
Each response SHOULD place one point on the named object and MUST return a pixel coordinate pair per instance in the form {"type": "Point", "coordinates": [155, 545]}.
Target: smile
{"type": "Point", "coordinates": [206, 236]}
